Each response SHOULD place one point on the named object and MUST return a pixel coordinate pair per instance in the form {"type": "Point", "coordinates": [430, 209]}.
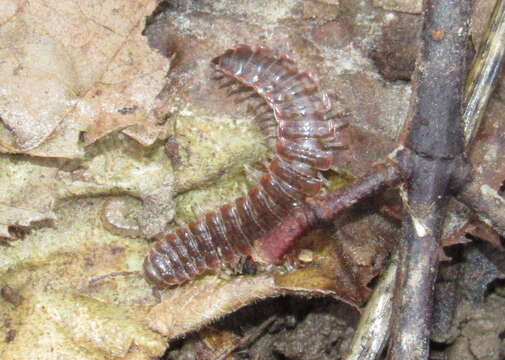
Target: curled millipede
{"type": "Point", "coordinates": [304, 137]}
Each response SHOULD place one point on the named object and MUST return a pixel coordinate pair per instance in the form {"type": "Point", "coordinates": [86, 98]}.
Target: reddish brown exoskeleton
{"type": "Point", "coordinates": [296, 117]}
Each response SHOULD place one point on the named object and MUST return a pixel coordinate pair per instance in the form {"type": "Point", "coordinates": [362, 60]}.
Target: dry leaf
{"type": "Point", "coordinates": [72, 67]}
{"type": "Point", "coordinates": [487, 150]}
{"type": "Point", "coordinates": [62, 327]}
{"type": "Point", "coordinates": [79, 285]}
{"type": "Point", "coordinates": [480, 16]}
{"type": "Point", "coordinates": [219, 341]}
{"type": "Point", "coordinates": [345, 259]}
{"type": "Point", "coordinates": [194, 305]}
{"type": "Point", "coordinates": [115, 166]}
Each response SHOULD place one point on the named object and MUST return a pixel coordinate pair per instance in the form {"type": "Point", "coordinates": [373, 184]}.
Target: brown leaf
{"type": "Point", "coordinates": [480, 16]}
{"type": "Point", "coordinates": [71, 277]}
{"type": "Point", "coordinates": [461, 221]}
{"type": "Point", "coordinates": [346, 258]}
{"type": "Point", "coordinates": [70, 67]}
{"type": "Point", "coordinates": [327, 274]}
{"type": "Point", "coordinates": [194, 305]}
{"type": "Point", "coordinates": [486, 233]}
{"type": "Point", "coordinates": [218, 339]}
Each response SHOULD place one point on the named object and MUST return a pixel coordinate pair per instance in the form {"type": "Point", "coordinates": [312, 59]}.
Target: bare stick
{"type": "Point", "coordinates": [322, 210]}
{"type": "Point", "coordinates": [485, 70]}
{"type": "Point", "coordinates": [434, 155]}
{"type": "Point", "coordinates": [487, 204]}
{"type": "Point", "coordinates": [373, 328]}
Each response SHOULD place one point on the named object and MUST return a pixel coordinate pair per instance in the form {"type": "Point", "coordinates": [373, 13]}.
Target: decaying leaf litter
{"type": "Point", "coordinates": [72, 178]}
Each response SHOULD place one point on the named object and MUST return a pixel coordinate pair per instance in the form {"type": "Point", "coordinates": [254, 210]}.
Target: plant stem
{"type": "Point", "coordinates": [433, 156]}
{"type": "Point", "coordinates": [281, 239]}
{"type": "Point", "coordinates": [485, 70]}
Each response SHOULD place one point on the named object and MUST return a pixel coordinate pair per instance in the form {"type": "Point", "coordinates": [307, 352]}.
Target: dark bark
{"type": "Point", "coordinates": [433, 157]}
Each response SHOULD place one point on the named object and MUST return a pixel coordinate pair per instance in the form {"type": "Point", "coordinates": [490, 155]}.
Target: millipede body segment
{"type": "Point", "coordinates": [296, 116]}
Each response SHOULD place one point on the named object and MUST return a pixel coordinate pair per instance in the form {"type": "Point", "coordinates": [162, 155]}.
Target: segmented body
{"type": "Point", "coordinates": [303, 140]}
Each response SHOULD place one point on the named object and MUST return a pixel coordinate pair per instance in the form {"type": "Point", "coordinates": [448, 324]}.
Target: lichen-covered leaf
{"type": "Point", "coordinates": [59, 326]}
{"type": "Point", "coordinates": [82, 295]}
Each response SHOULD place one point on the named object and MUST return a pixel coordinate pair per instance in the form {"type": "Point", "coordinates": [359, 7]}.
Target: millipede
{"type": "Point", "coordinates": [294, 113]}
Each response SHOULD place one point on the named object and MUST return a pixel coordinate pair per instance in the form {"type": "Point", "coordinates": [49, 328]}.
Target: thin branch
{"type": "Point", "coordinates": [381, 176]}
{"type": "Point", "coordinates": [485, 70]}
{"type": "Point", "coordinates": [247, 339]}
{"type": "Point", "coordinates": [487, 204]}
{"type": "Point", "coordinates": [322, 210]}
{"type": "Point", "coordinates": [373, 328]}
{"type": "Point", "coordinates": [485, 201]}
{"type": "Point", "coordinates": [433, 157]}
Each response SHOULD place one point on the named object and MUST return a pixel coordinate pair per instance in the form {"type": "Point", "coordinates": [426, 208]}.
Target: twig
{"type": "Point", "coordinates": [322, 210]}
{"type": "Point", "coordinates": [485, 70]}
{"type": "Point", "coordinates": [433, 158]}
{"type": "Point", "coordinates": [373, 328]}
{"type": "Point", "coordinates": [485, 201]}
{"type": "Point", "coordinates": [487, 204]}
{"type": "Point", "coordinates": [333, 204]}
{"type": "Point", "coordinates": [482, 199]}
